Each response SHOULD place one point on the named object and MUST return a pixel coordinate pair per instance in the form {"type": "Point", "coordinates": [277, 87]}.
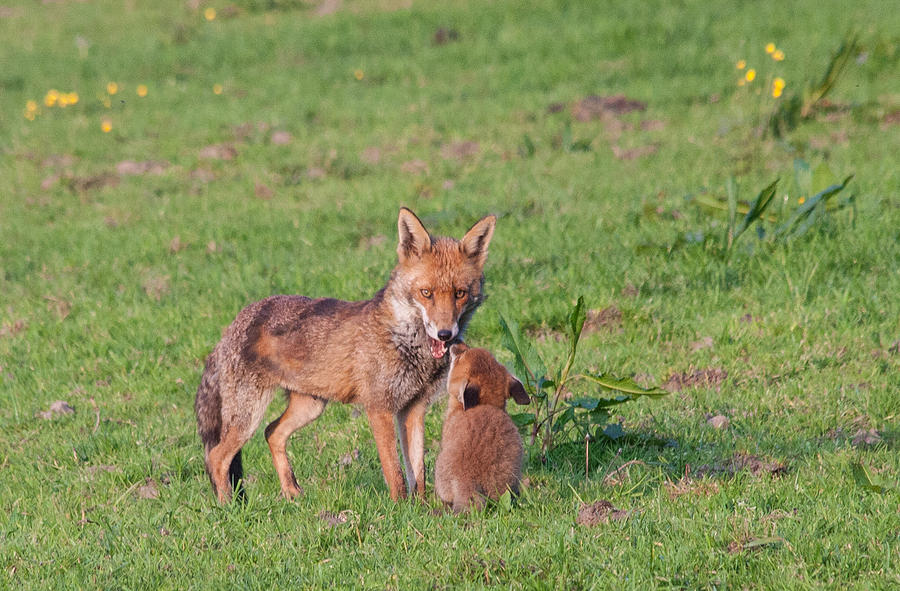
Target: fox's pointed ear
{"type": "Point", "coordinates": [470, 396]}
{"type": "Point", "coordinates": [414, 238]}
{"type": "Point", "coordinates": [517, 391]}
{"type": "Point", "coordinates": [475, 243]}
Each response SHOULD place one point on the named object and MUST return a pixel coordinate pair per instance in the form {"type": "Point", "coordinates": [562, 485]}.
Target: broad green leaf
{"type": "Point", "coordinates": [522, 419]}
{"type": "Point", "coordinates": [822, 178]}
{"type": "Point", "coordinates": [867, 480]}
{"type": "Point", "coordinates": [627, 385]}
{"type": "Point", "coordinates": [614, 431]}
{"type": "Point", "coordinates": [763, 200]}
{"type": "Point", "coordinates": [577, 318]}
{"type": "Point", "coordinates": [584, 402]}
{"type": "Point", "coordinates": [762, 541]}
{"type": "Point", "coordinates": [802, 218]}
{"type": "Point", "coordinates": [528, 364]}
{"type": "Point", "coordinates": [562, 421]}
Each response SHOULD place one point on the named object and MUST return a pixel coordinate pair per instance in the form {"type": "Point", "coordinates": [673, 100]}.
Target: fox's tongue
{"type": "Point", "coordinates": [438, 348]}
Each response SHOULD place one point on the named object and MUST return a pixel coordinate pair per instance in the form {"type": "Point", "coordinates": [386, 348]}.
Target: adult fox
{"type": "Point", "coordinates": [386, 354]}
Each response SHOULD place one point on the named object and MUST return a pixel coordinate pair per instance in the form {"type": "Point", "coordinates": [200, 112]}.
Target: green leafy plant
{"type": "Point", "coordinates": [785, 222]}
{"type": "Point", "coordinates": [555, 417]}
{"type": "Point", "coordinates": [798, 106]}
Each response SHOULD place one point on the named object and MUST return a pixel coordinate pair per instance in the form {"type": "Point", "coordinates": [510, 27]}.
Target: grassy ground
{"type": "Point", "coordinates": [270, 154]}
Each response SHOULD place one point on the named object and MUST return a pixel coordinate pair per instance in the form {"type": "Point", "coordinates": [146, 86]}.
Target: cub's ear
{"type": "Point", "coordinates": [414, 238]}
{"type": "Point", "coordinates": [475, 243]}
{"type": "Point", "coordinates": [470, 397]}
{"type": "Point", "coordinates": [517, 391]}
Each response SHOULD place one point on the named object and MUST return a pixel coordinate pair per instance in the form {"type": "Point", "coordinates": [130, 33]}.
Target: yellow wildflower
{"type": "Point", "coordinates": [741, 64]}
{"type": "Point", "coordinates": [112, 88]}
{"type": "Point", "coordinates": [770, 47]}
{"type": "Point", "coordinates": [776, 92]}
{"type": "Point", "coordinates": [106, 126]}
{"type": "Point", "coordinates": [358, 74]}
{"type": "Point", "coordinates": [31, 106]}
{"type": "Point", "coordinates": [142, 90]}
{"type": "Point", "coordinates": [63, 100]}
{"type": "Point", "coordinates": [778, 55]}
{"type": "Point", "coordinates": [30, 115]}
{"type": "Point", "coordinates": [751, 75]}
{"type": "Point", "coordinates": [801, 200]}
{"type": "Point", "coordinates": [217, 89]}
{"type": "Point", "coordinates": [72, 97]}
{"type": "Point", "coordinates": [51, 97]}
{"type": "Point", "coordinates": [209, 14]}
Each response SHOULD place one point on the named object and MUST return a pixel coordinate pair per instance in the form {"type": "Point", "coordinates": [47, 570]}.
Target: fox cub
{"type": "Point", "coordinates": [481, 451]}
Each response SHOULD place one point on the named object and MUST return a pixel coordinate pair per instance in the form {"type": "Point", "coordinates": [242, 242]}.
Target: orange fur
{"type": "Point", "coordinates": [386, 354]}
{"type": "Point", "coordinates": [481, 450]}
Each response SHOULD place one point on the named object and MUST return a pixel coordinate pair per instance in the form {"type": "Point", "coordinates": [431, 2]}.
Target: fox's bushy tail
{"type": "Point", "coordinates": [208, 408]}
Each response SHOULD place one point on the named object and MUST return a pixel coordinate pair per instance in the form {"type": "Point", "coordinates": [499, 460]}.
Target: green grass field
{"type": "Point", "coordinates": [272, 147]}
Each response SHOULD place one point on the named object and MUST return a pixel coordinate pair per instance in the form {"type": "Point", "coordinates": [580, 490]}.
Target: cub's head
{"type": "Point", "coordinates": [477, 378]}
{"type": "Point", "coordinates": [440, 279]}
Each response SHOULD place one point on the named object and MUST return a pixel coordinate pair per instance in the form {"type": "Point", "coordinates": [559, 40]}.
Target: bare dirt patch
{"type": "Point", "coordinates": [132, 167]}
{"type": "Point", "coordinates": [218, 152]}
{"type": "Point", "coordinates": [444, 35]}
{"type": "Point", "coordinates": [595, 107]}
{"type": "Point", "coordinates": [460, 150]}
{"type": "Point", "coordinates": [598, 512]}
{"type": "Point", "coordinates": [634, 153]}
{"type": "Point", "coordinates": [57, 408]}
{"type": "Point", "coordinates": [416, 167]}
{"type": "Point", "coordinates": [604, 319]}
{"type": "Point", "coordinates": [333, 519]}
{"type": "Point", "coordinates": [741, 462]}
{"type": "Point", "coordinates": [711, 377]}
{"type": "Point", "coordinates": [148, 490]}
{"type": "Point", "coordinates": [280, 138]}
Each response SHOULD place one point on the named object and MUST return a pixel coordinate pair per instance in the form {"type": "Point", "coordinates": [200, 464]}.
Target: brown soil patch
{"type": "Point", "coordinates": [608, 319]}
{"type": "Point", "coordinates": [444, 36]}
{"type": "Point", "coordinates": [460, 150]}
{"type": "Point", "coordinates": [742, 461]}
{"type": "Point", "coordinates": [595, 107]}
{"type": "Point", "coordinates": [131, 167]}
{"type": "Point", "coordinates": [58, 407]}
{"type": "Point", "coordinates": [634, 153]}
{"type": "Point", "coordinates": [280, 138]}
{"type": "Point", "coordinates": [148, 490]}
{"type": "Point", "coordinates": [598, 512]}
{"type": "Point", "coordinates": [711, 377]}
{"type": "Point", "coordinates": [865, 437]}
{"type": "Point", "coordinates": [83, 184]}
{"type": "Point", "coordinates": [414, 167]}
{"type": "Point", "coordinates": [333, 519]}
{"type": "Point", "coordinates": [218, 152]}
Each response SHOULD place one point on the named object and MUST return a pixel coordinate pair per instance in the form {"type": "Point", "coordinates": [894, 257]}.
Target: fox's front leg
{"type": "Point", "coordinates": [382, 423]}
{"type": "Point", "coordinates": [411, 421]}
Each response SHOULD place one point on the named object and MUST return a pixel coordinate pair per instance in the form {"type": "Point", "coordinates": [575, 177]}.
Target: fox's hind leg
{"type": "Point", "coordinates": [223, 462]}
{"type": "Point", "coordinates": [301, 410]}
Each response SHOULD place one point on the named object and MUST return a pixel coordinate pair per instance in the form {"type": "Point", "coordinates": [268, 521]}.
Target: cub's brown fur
{"type": "Point", "coordinates": [386, 354]}
{"type": "Point", "coordinates": [481, 451]}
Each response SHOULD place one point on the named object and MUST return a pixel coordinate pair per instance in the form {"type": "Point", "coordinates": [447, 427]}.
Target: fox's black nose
{"type": "Point", "coordinates": [444, 335]}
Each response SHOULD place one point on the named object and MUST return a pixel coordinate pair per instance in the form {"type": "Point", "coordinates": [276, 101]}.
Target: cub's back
{"type": "Point", "coordinates": [481, 446]}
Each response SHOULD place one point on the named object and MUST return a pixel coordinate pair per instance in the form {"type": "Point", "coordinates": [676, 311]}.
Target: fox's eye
{"type": "Point", "coordinates": [426, 292]}
{"type": "Point", "coordinates": [460, 294]}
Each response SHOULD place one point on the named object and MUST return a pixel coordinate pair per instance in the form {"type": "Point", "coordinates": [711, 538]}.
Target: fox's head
{"type": "Point", "coordinates": [477, 378]}
{"type": "Point", "coordinates": [440, 278]}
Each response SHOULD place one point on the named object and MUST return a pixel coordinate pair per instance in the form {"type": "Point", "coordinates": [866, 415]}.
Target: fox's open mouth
{"type": "Point", "coordinates": [438, 348]}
